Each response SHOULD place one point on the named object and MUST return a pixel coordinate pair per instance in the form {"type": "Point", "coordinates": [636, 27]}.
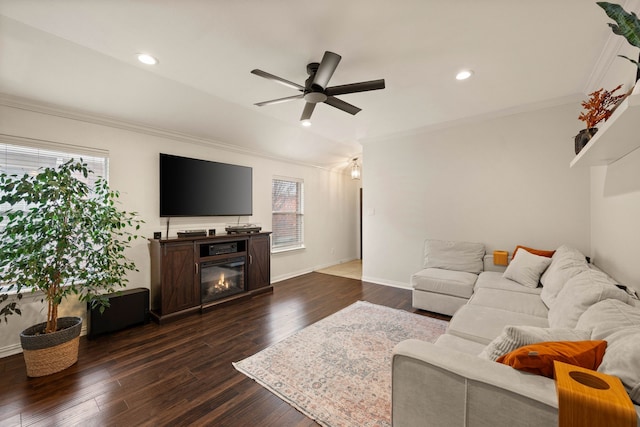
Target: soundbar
{"type": "Point", "coordinates": [247, 228]}
{"type": "Point", "coordinates": [192, 233]}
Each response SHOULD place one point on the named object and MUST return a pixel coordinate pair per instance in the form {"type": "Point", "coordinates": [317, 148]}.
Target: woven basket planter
{"type": "Point", "coordinates": [46, 354]}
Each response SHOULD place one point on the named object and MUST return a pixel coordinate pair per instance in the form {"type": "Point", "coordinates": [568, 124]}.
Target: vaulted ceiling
{"type": "Point", "coordinates": [81, 55]}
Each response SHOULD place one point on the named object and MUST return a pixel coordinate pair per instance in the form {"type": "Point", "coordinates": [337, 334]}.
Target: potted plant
{"type": "Point", "coordinates": [598, 107]}
{"type": "Point", "coordinates": [60, 237]}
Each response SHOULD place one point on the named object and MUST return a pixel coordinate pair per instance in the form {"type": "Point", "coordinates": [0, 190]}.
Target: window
{"type": "Point", "coordinates": [287, 201]}
{"type": "Point", "coordinates": [29, 158]}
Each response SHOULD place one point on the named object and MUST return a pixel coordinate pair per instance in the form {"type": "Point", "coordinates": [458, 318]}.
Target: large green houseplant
{"type": "Point", "coordinates": [61, 237]}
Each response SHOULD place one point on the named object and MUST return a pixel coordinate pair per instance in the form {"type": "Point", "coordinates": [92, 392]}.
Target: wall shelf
{"type": "Point", "coordinates": [619, 136]}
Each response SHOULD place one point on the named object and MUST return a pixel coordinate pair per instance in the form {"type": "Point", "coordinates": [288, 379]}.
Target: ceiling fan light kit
{"type": "Point", "coordinates": [315, 89]}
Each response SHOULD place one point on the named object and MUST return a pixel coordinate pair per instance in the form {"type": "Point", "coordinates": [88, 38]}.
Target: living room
{"type": "Point", "coordinates": [496, 173]}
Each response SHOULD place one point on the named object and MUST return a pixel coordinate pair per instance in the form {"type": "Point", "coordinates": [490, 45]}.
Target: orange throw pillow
{"type": "Point", "coordinates": [538, 358]}
{"type": "Point", "coordinates": [538, 252]}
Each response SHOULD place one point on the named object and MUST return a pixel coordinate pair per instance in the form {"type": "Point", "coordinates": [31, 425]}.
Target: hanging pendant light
{"type": "Point", "coordinates": [355, 169]}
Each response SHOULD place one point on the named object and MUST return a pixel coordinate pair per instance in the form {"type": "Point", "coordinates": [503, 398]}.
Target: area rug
{"type": "Point", "coordinates": [337, 371]}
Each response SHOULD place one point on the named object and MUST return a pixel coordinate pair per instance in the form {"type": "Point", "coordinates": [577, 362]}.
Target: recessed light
{"type": "Point", "coordinates": [464, 75]}
{"type": "Point", "coordinates": [306, 123]}
{"type": "Point", "coordinates": [145, 58]}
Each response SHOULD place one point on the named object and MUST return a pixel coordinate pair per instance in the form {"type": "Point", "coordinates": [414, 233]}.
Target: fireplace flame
{"type": "Point", "coordinates": [222, 285]}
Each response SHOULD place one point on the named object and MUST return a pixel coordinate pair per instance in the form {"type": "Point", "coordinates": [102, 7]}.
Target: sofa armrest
{"type": "Point", "coordinates": [438, 386]}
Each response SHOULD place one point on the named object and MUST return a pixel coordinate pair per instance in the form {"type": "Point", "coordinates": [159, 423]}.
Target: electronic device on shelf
{"type": "Point", "coordinates": [192, 233]}
{"type": "Point", "coordinates": [242, 228]}
{"type": "Point", "coordinates": [223, 248]}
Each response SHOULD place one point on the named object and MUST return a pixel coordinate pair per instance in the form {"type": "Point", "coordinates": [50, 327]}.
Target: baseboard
{"type": "Point", "coordinates": [282, 277]}
{"type": "Point", "coordinates": [384, 282]}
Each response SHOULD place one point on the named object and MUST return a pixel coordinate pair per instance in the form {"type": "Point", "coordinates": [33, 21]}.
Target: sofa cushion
{"type": "Point", "coordinates": [483, 324]}
{"type": "Point", "coordinates": [608, 316]}
{"type": "Point", "coordinates": [581, 292]}
{"type": "Point", "coordinates": [622, 360]}
{"type": "Point", "coordinates": [495, 280]}
{"type": "Point", "coordinates": [565, 263]}
{"type": "Point", "coordinates": [513, 337]}
{"type": "Point", "coordinates": [511, 301]}
{"type": "Point", "coordinates": [448, 282]}
{"type": "Point", "coordinates": [459, 344]}
{"type": "Point", "coordinates": [457, 256]}
{"type": "Point", "coordinates": [538, 358]}
{"type": "Point", "coordinates": [526, 268]}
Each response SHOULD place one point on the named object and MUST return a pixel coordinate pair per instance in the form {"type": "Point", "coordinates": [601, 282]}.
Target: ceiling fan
{"type": "Point", "coordinates": [315, 88]}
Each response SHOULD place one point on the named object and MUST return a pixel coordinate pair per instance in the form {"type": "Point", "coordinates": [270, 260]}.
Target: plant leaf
{"type": "Point", "coordinates": [627, 26]}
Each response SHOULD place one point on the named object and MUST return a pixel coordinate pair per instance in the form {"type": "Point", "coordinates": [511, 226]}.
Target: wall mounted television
{"type": "Point", "coordinates": [192, 187]}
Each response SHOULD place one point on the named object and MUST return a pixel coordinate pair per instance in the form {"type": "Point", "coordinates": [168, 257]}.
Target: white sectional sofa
{"type": "Point", "coordinates": [456, 380]}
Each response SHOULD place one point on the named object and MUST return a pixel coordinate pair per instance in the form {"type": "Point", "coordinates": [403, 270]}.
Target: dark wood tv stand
{"type": "Point", "coordinates": [176, 266]}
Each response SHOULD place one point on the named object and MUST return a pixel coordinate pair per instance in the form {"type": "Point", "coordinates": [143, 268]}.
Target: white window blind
{"type": "Point", "coordinates": [20, 159]}
{"type": "Point", "coordinates": [287, 201]}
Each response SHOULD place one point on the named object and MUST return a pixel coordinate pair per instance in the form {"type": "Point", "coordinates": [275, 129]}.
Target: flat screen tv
{"type": "Point", "coordinates": [192, 187]}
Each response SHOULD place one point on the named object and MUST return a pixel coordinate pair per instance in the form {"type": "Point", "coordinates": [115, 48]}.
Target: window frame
{"type": "Point", "coordinates": [298, 243]}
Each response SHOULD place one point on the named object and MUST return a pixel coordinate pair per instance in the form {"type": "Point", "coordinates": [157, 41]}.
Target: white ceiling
{"type": "Point", "coordinates": [80, 55]}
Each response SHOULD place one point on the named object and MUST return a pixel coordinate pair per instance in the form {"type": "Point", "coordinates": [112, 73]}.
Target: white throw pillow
{"type": "Point", "coordinates": [451, 255]}
{"type": "Point", "coordinates": [608, 316]}
{"type": "Point", "coordinates": [513, 337]}
{"type": "Point", "coordinates": [526, 268]}
{"type": "Point", "coordinates": [580, 293]}
{"type": "Point", "coordinates": [566, 263]}
{"type": "Point", "coordinates": [622, 359]}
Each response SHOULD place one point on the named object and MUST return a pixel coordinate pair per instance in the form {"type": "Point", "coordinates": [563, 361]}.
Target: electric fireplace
{"type": "Point", "coordinates": [222, 278]}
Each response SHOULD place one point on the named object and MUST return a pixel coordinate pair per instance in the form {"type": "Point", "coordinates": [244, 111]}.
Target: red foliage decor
{"type": "Point", "coordinates": [599, 106]}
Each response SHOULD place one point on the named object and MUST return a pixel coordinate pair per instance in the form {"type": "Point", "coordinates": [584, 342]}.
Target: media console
{"type": "Point", "coordinates": [192, 274]}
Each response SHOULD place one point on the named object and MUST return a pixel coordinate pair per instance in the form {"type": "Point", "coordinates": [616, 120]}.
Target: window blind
{"type": "Point", "coordinates": [287, 200]}
{"type": "Point", "coordinates": [30, 158]}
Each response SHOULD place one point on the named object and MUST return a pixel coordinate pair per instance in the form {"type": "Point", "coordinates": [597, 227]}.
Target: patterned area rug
{"type": "Point", "coordinates": [338, 370]}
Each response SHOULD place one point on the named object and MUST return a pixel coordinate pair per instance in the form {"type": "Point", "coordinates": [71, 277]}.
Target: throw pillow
{"type": "Point", "coordinates": [513, 337]}
{"type": "Point", "coordinates": [608, 316]}
{"type": "Point", "coordinates": [622, 360]}
{"type": "Point", "coordinates": [527, 268]}
{"type": "Point", "coordinates": [539, 252]}
{"type": "Point", "coordinates": [580, 293]}
{"type": "Point", "coordinates": [457, 256]}
{"type": "Point", "coordinates": [538, 358]}
{"type": "Point", "coordinates": [565, 263]}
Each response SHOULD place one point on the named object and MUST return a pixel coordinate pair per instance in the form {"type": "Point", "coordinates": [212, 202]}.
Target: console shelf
{"type": "Point", "coordinates": [615, 139]}
{"type": "Point", "coordinates": [176, 266]}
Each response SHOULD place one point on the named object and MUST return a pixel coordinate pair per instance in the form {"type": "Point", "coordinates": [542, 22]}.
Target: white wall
{"type": "Point", "coordinates": [331, 198]}
{"type": "Point", "coordinates": [615, 195]}
{"type": "Point", "coordinates": [503, 182]}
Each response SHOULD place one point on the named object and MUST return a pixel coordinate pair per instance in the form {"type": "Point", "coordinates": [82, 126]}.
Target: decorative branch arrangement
{"type": "Point", "coordinates": [599, 106]}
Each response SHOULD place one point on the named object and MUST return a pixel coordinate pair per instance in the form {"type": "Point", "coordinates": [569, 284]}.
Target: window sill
{"type": "Point", "coordinates": [291, 249]}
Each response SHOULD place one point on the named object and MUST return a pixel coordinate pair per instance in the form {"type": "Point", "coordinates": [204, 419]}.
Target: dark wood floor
{"type": "Point", "coordinates": [180, 373]}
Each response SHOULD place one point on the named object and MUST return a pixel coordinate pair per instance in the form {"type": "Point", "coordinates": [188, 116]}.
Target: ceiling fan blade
{"type": "Point", "coordinates": [326, 68]}
{"type": "Point", "coordinates": [308, 110]}
{"type": "Point", "coordinates": [355, 87]}
{"type": "Point", "coordinates": [277, 79]}
{"type": "Point", "coordinates": [341, 105]}
{"type": "Point", "coordinates": [279, 100]}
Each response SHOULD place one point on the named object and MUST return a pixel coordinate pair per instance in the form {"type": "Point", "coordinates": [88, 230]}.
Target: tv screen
{"type": "Point", "coordinates": [192, 187]}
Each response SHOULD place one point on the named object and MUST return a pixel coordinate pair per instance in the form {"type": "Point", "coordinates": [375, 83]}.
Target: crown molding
{"type": "Point", "coordinates": [82, 116]}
